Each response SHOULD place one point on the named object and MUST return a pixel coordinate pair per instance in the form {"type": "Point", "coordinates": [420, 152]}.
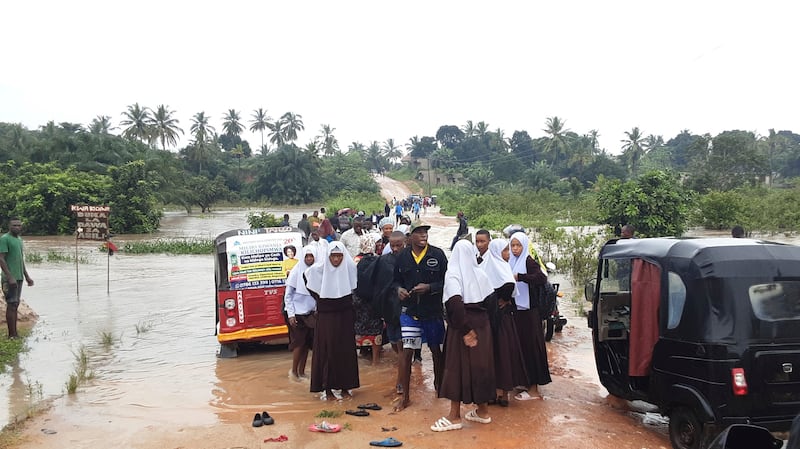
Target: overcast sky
{"type": "Point", "coordinates": [376, 69]}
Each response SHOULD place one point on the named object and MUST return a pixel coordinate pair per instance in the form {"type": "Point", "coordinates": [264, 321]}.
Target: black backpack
{"type": "Point", "coordinates": [546, 299]}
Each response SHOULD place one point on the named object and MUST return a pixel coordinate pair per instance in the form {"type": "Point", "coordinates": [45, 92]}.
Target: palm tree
{"type": "Point", "coordinates": [357, 147]}
{"type": "Point", "coordinates": [481, 129]}
{"type": "Point", "coordinates": [231, 125]}
{"type": "Point", "coordinates": [593, 135]}
{"type": "Point", "coordinates": [101, 125]}
{"type": "Point", "coordinates": [201, 131]}
{"type": "Point", "coordinates": [469, 129]}
{"type": "Point", "coordinates": [391, 151]}
{"type": "Point", "coordinates": [165, 127]}
{"type": "Point", "coordinates": [138, 120]}
{"type": "Point", "coordinates": [259, 123]}
{"type": "Point", "coordinates": [328, 142]}
{"type": "Point", "coordinates": [374, 157]}
{"type": "Point", "coordinates": [557, 139]}
{"type": "Point", "coordinates": [292, 124]}
{"type": "Point", "coordinates": [633, 148]}
{"type": "Point", "coordinates": [276, 133]}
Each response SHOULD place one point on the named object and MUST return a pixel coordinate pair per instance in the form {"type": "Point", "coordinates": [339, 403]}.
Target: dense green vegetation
{"type": "Point", "coordinates": [561, 177]}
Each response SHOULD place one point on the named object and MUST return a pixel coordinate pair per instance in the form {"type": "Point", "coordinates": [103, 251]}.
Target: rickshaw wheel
{"type": "Point", "coordinates": [685, 431]}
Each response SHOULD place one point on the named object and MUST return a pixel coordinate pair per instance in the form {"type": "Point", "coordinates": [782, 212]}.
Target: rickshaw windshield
{"type": "Point", "coordinates": [776, 301]}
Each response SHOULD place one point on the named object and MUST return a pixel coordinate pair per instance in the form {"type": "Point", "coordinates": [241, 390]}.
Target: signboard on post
{"type": "Point", "coordinates": [92, 221]}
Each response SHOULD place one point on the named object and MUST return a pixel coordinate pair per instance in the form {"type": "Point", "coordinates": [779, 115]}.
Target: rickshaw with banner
{"type": "Point", "coordinates": [708, 330]}
{"type": "Point", "coordinates": [250, 271]}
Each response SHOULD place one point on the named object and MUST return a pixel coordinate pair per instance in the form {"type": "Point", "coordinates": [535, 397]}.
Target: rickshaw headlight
{"type": "Point", "coordinates": [230, 322]}
{"type": "Point", "coordinates": [739, 381]}
{"type": "Point", "coordinates": [230, 303]}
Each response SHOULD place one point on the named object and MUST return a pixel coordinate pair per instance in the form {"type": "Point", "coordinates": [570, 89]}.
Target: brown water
{"type": "Point", "coordinates": [162, 366]}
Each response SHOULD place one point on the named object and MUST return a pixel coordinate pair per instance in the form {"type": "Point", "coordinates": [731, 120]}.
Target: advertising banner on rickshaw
{"type": "Point", "coordinates": [261, 260]}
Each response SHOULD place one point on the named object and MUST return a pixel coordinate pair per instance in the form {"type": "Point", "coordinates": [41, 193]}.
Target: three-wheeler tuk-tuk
{"type": "Point", "coordinates": [708, 330]}
{"type": "Point", "coordinates": [250, 271]}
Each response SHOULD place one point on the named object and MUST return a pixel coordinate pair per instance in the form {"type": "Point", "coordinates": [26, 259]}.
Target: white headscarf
{"type": "Point", "coordinates": [464, 277]}
{"type": "Point", "coordinates": [295, 278]}
{"type": "Point", "coordinates": [518, 265]}
{"type": "Point", "coordinates": [333, 282]}
{"type": "Point", "coordinates": [497, 269]}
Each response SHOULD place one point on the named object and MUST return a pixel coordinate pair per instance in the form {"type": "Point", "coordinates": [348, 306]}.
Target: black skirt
{"type": "Point", "coordinates": [469, 372]}
{"type": "Point", "coordinates": [509, 365]}
{"type": "Point", "coordinates": [334, 364]}
{"type": "Point", "coordinates": [531, 341]}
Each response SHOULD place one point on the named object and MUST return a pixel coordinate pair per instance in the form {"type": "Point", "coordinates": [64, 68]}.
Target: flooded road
{"type": "Point", "coordinates": [158, 383]}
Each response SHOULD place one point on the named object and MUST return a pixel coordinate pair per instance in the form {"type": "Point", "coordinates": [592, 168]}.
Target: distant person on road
{"type": "Point", "coordinates": [415, 209]}
{"type": "Point", "coordinates": [463, 229]}
{"type": "Point", "coordinates": [737, 232]}
{"type": "Point", "coordinates": [285, 221]}
{"type": "Point", "coordinates": [398, 212]}
{"type": "Point", "coordinates": [387, 210]}
{"type": "Point", "coordinates": [300, 308]}
{"type": "Point", "coordinates": [12, 263]}
{"type": "Point", "coordinates": [304, 225]}
{"type": "Point", "coordinates": [628, 232]}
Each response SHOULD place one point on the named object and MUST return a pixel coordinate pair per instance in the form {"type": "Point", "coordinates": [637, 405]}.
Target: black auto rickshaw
{"type": "Point", "coordinates": [708, 330]}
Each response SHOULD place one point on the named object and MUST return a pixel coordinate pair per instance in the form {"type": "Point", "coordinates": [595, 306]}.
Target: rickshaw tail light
{"type": "Point", "coordinates": [739, 382]}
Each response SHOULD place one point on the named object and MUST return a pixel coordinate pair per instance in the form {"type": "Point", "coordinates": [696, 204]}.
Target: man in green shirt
{"type": "Point", "coordinates": [12, 263]}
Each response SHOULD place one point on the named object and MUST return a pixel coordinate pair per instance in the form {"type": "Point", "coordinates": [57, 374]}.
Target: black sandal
{"type": "Point", "coordinates": [370, 406]}
{"type": "Point", "coordinates": [358, 412]}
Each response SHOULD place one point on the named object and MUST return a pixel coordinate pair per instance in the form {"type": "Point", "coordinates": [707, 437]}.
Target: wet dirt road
{"type": "Point", "coordinates": [160, 385]}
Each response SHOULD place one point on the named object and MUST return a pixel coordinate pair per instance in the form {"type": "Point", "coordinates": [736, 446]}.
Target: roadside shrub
{"type": "Point", "coordinates": [262, 220]}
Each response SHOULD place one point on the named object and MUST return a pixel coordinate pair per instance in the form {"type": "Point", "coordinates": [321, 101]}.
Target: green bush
{"type": "Point", "coordinates": [170, 246]}
{"type": "Point", "coordinates": [366, 201]}
{"type": "Point", "coordinates": [262, 220]}
{"type": "Point", "coordinates": [718, 210]}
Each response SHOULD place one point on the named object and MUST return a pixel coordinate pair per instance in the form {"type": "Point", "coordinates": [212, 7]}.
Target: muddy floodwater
{"type": "Point", "coordinates": [152, 361]}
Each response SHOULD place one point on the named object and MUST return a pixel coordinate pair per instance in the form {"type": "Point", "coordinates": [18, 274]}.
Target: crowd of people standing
{"type": "Point", "coordinates": [380, 281]}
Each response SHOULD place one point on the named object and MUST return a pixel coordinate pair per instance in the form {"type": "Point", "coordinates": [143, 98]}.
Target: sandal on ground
{"type": "Point", "coordinates": [266, 419]}
{"type": "Point", "coordinates": [370, 406]}
{"type": "Point", "coordinates": [386, 442]}
{"type": "Point", "coordinates": [358, 412]}
{"type": "Point", "coordinates": [524, 396]}
{"type": "Point", "coordinates": [279, 439]}
{"type": "Point", "coordinates": [443, 425]}
{"type": "Point", "coordinates": [325, 427]}
{"type": "Point", "coordinates": [473, 416]}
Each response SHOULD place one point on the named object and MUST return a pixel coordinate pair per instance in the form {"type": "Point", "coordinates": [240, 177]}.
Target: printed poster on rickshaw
{"type": "Point", "coordinates": [261, 260]}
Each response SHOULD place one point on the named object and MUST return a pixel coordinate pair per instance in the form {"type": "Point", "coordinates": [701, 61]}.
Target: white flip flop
{"type": "Point", "coordinates": [443, 425]}
{"type": "Point", "coordinates": [474, 417]}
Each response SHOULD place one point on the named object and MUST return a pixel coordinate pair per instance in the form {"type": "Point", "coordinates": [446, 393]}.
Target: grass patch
{"type": "Point", "coordinates": [81, 373]}
{"type": "Point", "coordinates": [143, 327]}
{"type": "Point", "coordinates": [170, 246]}
{"type": "Point", "coordinates": [329, 414]}
{"type": "Point", "coordinates": [10, 349]}
{"type": "Point", "coordinates": [54, 257]}
{"type": "Point", "coordinates": [106, 339]}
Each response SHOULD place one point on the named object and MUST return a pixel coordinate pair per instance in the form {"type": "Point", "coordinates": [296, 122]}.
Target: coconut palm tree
{"type": "Point", "coordinates": [327, 141]}
{"type": "Point", "coordinates": [481, 129]}
{"type": "Point", "coordinates": [277, 136]}
{"type": "Point", "coordinates": [292, 123]}
{"type": "Point", "coordinates": [231, 125]}
{"type": "Point", "coordinates": [469, 129]}
{"type": "Point", "coordinates": [165, 127]}
{"type": "Point", "coordinates": [557, 142]}
{"type": "Point", "coordinates": [259, 123]}
{"type": "Point", "coordinates": [391, 151]}
{"type": "Point", "coordinates": [593, 135]}
{"type": "Point", "coordinates": [633, 148]}
{"type": "Point", "coordinates": [138, 121]}
{"type": "Point", "coordinates": [101, 125]}
{"type": "Point", "coordinates": [202, 131]}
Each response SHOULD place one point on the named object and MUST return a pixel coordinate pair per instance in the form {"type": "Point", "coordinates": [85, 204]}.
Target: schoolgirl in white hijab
{"type": "Point", "coordinates": [496, 268]}
{"type": "Point", "coordinates": [300, 301]}
{"type": "Point", "coordinates": [299, 306]}
{"type": "Point", "coordinates": [331, 281]}
{"type": "Point", "coordinates": [469, 364]}
{"type": "Point", "coordinates": [518, 265]}
{"type": "Point", "coordinates": [465, 277]}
